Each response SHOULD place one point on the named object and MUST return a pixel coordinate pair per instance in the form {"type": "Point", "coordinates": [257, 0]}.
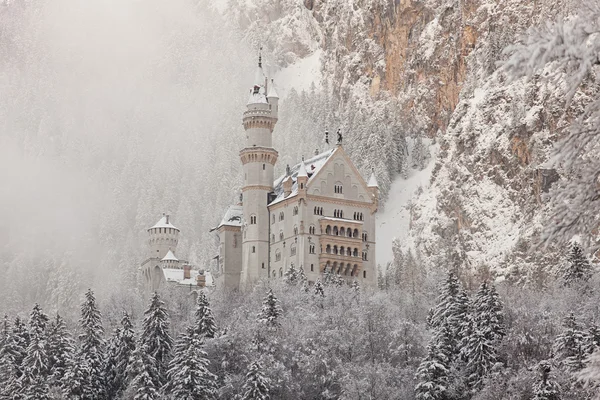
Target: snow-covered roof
{"type": "Point", "coordinates": [311, 167]}
{"type": "Point", "coordinates": [164, 223]}
{"type": "Point", "coordinates": [272, 92]}
{"type": "Point", "coordinates": [302, 171]}
{"type": "Point", "coordinates": [256, 98]}
{"type": "Point", "coordinates": [372, 181]}
{"type": "Point", "coordinates": [233, 217]}
{"type": "Point", "coordinates": [170, 256]}
{"type": "Point", "coordinates": [177, 275]}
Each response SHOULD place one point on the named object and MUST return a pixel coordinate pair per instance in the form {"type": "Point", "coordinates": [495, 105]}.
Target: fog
{"type": "Point", "coordinates": [111, 112]}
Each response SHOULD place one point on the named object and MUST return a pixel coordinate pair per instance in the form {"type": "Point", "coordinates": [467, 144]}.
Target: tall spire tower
{"type": "Point", "coordinates": [258, 159]}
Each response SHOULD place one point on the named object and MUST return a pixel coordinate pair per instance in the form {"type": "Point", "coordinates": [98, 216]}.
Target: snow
{"type": "Point", "coordinates": [162, 223]}
{"type": "Point", "coordinates": [232, 217]}
{"type": "Point", "coordinates": [300, 75]}
{"type": "Point", "coordinates": [394, 221]}
{"type": "Point", "coordinates": [302, 171]}
{"type": "Point", "coordinates": [170, 256]}
{"type": "Point", "coordinates": [272, 92]}
{"type": "Point", "coordinates": [372, 181]}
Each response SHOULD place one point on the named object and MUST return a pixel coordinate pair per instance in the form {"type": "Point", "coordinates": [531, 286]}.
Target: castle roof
{"type": "Point", "coordinates": [302, 171]}
{"type": "Point", "coordinates": [164, 223]}
{"type": "Point", "coordinates": [272, 92]}
{"type": "Point", "coordinates": [311, 167]}
{"type": "Point", "coordinates": [233, 217]}
{"type": "Point", "coordinates": [372, 181]}
{"type": "Point", "coordinates": [170, 256]}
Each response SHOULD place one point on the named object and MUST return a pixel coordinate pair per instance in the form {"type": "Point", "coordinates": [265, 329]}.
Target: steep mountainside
{"type": "Point", "coordinates": [434, 65]}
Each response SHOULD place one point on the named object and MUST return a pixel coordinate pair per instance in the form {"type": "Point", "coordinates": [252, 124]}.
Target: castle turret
{"type": "Point", "coordinates": [163, 237]}
{"type": "Point", "coordinates": [258, 158]}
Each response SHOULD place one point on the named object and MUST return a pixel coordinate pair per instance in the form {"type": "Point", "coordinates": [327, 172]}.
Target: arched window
{"type": "Point", "coordinates": [335, 231]}
{"type": "Point", "coordinates": [280, 235]}
{"type": "Point", "coordinates": [311, 249]}
{"type": "Point", "coordinates": [253, 220]}
{"type": "Point", "coordinates": [273, 219]}
{"type": "Point", "coordinates": [312, 267]}
{"type": "Point", "coordinates": [281, 216]}
{"type": "Point", "coordinates": [295, 211]}
{"type": "Point", "coordinates": [328, 249]}
{"type": "Point", "coordinates": [278, 255]}
{"type": "Point", "coordinates": [355, 253]}
{"type": "Point", "coordinates": [295, 230]}
{"type": "Point", "coordinates": [293, 250]}
{"type": "Point", "coordinates": [328, 230]}
{"type": "Point", "coordinates": [355, 233]}
{"type": "Point", "coordinates": [311, 230]}
{"type": "Point", "coordinates": [342, 231]}
{"type": "Point", "coordinates": [364, 274]}
{"type": "Point", "coordinates": [335, 249]}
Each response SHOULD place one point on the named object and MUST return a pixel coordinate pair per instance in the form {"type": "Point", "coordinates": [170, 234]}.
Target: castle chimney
{"type": "Point", "coordinates": [187, 271]}
{"type": "Point", "coordinates": [167, 218]}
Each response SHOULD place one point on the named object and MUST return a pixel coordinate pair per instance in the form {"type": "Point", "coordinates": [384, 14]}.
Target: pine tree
{"type": "Point", "coordinates": [9, 353]}
{"type": "Point", "coordinates": [569, 345]}
{"type": "Point", "coordinates": [188, 375]}
{"type": "Point", "coordinates": [120, 350]}
{"type": "Point", "coordinates": [271, 311]}
{"type": "Point", "coordinates": [592, 338]}
{"type": "Point", "coordinates": [578, 267]}
{"type": "Point", "coordinates": [481, 356]}
{"type": "Point", "coordinates": [256, 386]}
{"type": "Point", "coordinates": [546, 388]}
{"type": "Point", "coordinates": [143, 375]}
{"type": "Point", "coordinates": [291, 276]}
{"type": "Point", "coordinates": [205, 321]}
{"type": "Point", "coordinates": [319, 290]}
{"type": "Point", "coordinates": [155, 337]}
{"type": "Point", "coordinates": [20, 336]}
{"type": "Point", "coordinates": [488, 314]}
{"type": "Point", "coordinates": [303, 280]}
{"type": "Point", "coordinates": [398, 263]}
{"type": "Point", "coordinates": [76, 380]}
{"type": "Point", "coordinates": [36, 364]}
{"type": "Point", "coordinates": [432, 375]}
{"type": "Point", "coordinates": [92, 346]}
{"type": "Point", "coordinates": [60, 350]}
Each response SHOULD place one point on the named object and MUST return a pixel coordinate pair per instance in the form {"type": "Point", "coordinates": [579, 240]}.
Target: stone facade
{"type": "Point", "coordinates": [319, 216]}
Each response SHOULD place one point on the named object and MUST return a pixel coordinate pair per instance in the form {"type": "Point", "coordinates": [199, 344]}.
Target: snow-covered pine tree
{"type": "Point", "coordinates": [271, 311]}
{"type": "Point", "coordinates": [155, 337]}
{"type": "Point", "coordinates": [569, 344]}
{"type": "Point", "coordinates": [355, 286]}
{"type": "Point", "coordinates": [481, 355]}
{"type": "Point", "coordinates": [92, 346]}
{"type": "Point", "coordinates": [9, 353]}
{"type": "Point", "coordinates": [205, 321]}
{"type": "Point", "coordinates": [60, 350]}
{"type": "Point", "coordinates": [319, 289]}
{"type": "Point", "coordinates": [432, 375]}
{"type": "Point", "coordinates": [20, 335]}
{"type": "Point", "coordinates": [592, 338]}
{"type": "Point", "coordinates": [142, 374]}
{"type": "Point", "coordinates": [303, 280]}
{"type": "Point", "coordinates": [487, 313]}
{"type": "Point", "coordinates": [578, 268]}
{"type": "Point", "coordinates": [546, 388]}
{"type": "Point", "coordinates": [121, 347]}
{"type": "Point", "coordinates": [75, 384]}
{"type": "Point", "coordinates": [291, 275]}
{"type": "Point", "coordinates": [420, 154]}
{"type": "Point", "coordinates": [35, 365]}
{"type": "Point", "coordinates": [188, 376]}
{"type": "Point", "coordinates": [256, 386]}
{"type": "Point", "coordinates": [398, 262]}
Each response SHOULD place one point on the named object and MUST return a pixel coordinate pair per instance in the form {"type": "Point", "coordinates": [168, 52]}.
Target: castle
{"type": "Point", "coordinates": [319, 216]}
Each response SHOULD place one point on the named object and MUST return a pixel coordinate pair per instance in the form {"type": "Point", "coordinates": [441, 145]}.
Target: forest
{"type": "Point", "coordinates": [419, 336]}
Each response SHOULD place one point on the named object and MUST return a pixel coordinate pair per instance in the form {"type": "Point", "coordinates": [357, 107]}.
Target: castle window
{"type": "Point", "coordinates": [273, 238]}
{"type": "Point", "coordinates": [364, 237]}
{"type": "Point", "coordinates": [337, 188]}
{"type": "Point", "coordinates": [302, 186]}
{"type": "Point", "coordinates": [295, 230]}
{"type": "Point", "coordinates": [312, 267]}
{"type": "Point", "coordinates": [293, 250]}
{"type": "Point", "coordinates": [263, 265]}
{"type": "Point", "coordinates": [355, 233]}
{"type": "Point", "coordinates": [318, 211]}
{"type": "Point", "coordinates": [273, 220]}
{"type": "Point", "coordinates": [281, 272]}
{"type": "Point", "coordinates": [253, 220]}
{"type": "Point", "coordinates": [311, 230]}
{"type": "Point", "coordinates": [254, 249]}
{"type": "Point", "coordinates": [328, 249]}
{"type": "Point", "coordinates": [278, 255]}
{"type": "Point", "coordinates": [263, 167]}
{"type": "Point", "coordinates": [335, 231]}
{"type": "Point", "coordinates": [355, 253]}
{"type": "Point", "coordinates": [281, 216]}
{"type": "Point", "coordinates": [311, 249]}
{"type": "Point", "coordinates": [295, 210]}
{"type": "Point", "coordinates": [280, 235]}
{"type": "Point", "coordinates": [364, 274]}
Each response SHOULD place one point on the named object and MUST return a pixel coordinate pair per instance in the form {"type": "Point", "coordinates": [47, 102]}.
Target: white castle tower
{"type": "Point", "coordinates": [258, 159]}
{"type": "Point", "coordinates": [162, 242]}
